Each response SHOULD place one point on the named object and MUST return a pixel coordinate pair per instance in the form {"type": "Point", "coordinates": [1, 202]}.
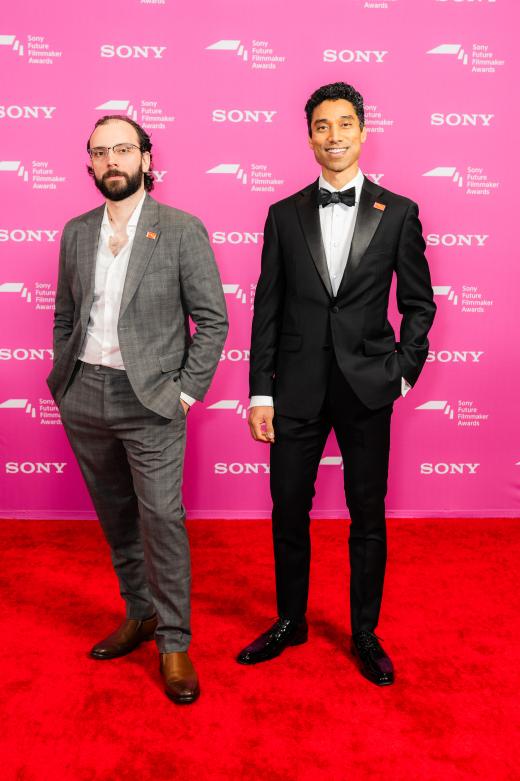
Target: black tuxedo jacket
{"type": "Point", "coordinates": [298, 323]}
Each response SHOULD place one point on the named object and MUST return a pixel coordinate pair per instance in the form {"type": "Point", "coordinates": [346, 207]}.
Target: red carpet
{"type": "Point", "coordinates": [450, 621]}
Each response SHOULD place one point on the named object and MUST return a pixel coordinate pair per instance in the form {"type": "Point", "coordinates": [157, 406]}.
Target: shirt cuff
{"type": "Point", "coordinates": [261, 401]}
{"type": "Point", "coordinates": [188, 399]}
{"type": "Point", "coordinates": [405, 387]}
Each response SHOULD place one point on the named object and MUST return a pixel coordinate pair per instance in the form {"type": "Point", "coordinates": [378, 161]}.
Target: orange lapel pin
{"type": "Point", "coordinates": [380, 206]}
{"type": "Point", "coordinates": [151, 235]}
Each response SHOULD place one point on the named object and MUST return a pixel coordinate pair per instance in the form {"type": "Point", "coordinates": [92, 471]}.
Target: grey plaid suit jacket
{"type": "Point", "coordinates": [171, 276]}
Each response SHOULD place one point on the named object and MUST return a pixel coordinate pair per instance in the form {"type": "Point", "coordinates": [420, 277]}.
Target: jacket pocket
{"type": "Point", "coordinates": [386, 344]}
{"type": "Point", "coordinates": [290, 342]}
{"type": "Point", "coordinates": [172, 361]}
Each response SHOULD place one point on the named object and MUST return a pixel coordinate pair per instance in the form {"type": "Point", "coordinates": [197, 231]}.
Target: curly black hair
{"type": "Point", "coordinates": [337, 91]}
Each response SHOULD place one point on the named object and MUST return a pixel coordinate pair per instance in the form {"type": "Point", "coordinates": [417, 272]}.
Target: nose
{"type": "Point", "coordinates": [334, 133]}
{"type": "Point", "coordinates": [111, 158]}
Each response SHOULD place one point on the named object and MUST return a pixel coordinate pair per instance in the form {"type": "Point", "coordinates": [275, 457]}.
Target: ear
{"type": "Point", "coordinates": [309, 141]}
{"type": "Point", "coordinates": [364, 134]}
{"type": "Point", "coordinates": [146, 162]}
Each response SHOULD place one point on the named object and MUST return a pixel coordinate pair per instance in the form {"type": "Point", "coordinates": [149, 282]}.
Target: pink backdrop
{"type": "Point", "coordinates": [221, 86]}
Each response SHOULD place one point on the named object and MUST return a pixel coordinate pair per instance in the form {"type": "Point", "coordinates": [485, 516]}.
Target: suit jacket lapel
{"type": "Point", "coordinates": [367, 220]}
{"type": "Point", "coordinates": [308, 213]}
{"type": "Point", "coordinates": [145, 240]}
{"type": "Point", "coordinates": [88, 240]}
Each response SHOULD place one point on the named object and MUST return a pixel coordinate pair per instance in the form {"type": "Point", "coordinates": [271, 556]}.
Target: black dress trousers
{"type": "Point", "coordinates": [364, 440]}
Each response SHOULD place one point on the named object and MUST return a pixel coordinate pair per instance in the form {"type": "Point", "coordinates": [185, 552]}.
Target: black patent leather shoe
{"type": "Point", "coordinates": [283, 633]}
{"type": "Point", "coordinates": [374, 663]}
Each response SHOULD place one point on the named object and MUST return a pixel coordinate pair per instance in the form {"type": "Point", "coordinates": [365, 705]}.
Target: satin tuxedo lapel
{"type": "Point", "coordinates": [308, 213]}
{"type": "Point", "coordinates": [367, 221]}
{"type": "Point", "coordinates": [88, 240]}
{"type": "Point", "coordinates": [142, 249]}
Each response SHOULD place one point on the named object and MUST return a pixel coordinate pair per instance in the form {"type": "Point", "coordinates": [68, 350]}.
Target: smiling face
{"type": "Point", "coordinates": [118, 176]}
{"type": "Point", "coordinates": [336, 140]}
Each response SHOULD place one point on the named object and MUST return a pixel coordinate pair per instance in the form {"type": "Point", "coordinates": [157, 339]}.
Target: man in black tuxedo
{"type": "Point", "coordinates": [324, 355]}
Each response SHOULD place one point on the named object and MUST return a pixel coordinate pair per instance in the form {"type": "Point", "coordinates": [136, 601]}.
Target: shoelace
{"type": "Point", "coordinates": [368, 641]}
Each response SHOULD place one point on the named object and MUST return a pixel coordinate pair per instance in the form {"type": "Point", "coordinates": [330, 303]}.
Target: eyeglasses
{"type": "Point", "coordinates": [119, 150]}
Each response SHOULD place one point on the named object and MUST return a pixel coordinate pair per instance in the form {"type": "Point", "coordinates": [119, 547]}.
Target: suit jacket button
{"type": "Point", "coordinates": [334, 309]}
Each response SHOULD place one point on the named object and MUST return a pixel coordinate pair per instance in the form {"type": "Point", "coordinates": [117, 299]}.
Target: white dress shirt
{"type": "Point", "coordinates": [337, 226]}
{"type": "Point", "coordinates": [337, 222]}
{"type": "Point", "coordinates": [102, 342]}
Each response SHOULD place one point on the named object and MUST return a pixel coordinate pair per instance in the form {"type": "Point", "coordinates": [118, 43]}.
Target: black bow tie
{"type": "Point", "coordinates": [348, 197]}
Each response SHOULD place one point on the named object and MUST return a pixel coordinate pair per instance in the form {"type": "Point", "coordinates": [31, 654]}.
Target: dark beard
{"type": "Point", "coordinates": [121, 190]}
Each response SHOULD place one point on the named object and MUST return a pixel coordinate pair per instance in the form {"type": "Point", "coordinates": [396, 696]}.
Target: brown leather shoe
{"type": "Point", "coordinates": [182, 684]}
{"type": "Point", "coordinates": [128, 636]}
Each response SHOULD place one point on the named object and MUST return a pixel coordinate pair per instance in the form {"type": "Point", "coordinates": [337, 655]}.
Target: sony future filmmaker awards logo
{"type": "Point", "coordinates": [237, 294]}
{"type": "Point", "coordinates": [478, 56]}
{"type": "Point", "coordinates": [376, 121]}
{"type": "Point", "coordinates": [43, 411]}
{"type": "Point", "coordinates": [148, 113]}
{"type": "Point", "coordinates": [256, 177]}
{"type": "Point", "coordinates": [257, 54]}
{"type": "Point", "coordinates": [235, 291]}
{"type": "Point", "coordinates": [40, 295]}
{"type": "Point", "coordinates": [39, 174]}
{"type": "Point", "coordinates": [33, 48]}
{"type": "Point", "coordinates": [378, 5]}
{"type": "Point", "coordinates": [473, 182]}
{"type": "Point", "coordinates": [239, 468]}
{"type": "Point", "coordinates": [465, 413]}
{"type": "Point", "coordinates": [470, 300]}
{"type": "Point", "coordinates": [233, 405]}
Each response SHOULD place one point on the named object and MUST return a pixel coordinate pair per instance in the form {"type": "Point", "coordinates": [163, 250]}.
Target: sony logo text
{"type": "Point", "coordinates": [19, 235]}
{"type": "Point", "coordinates": [462, 120]}
{"type": "Point", "coordinates": [26, 354]}
{"type": "Point", "coordinates": [236, 468]}
{"type": "Point", "coordinates": [236, 237]}
{"type": "Point", "coordinates": [449, 469]}
{"type": "Point", "coordinates": [27, 112]}
{"type": "Point", "coordinates": [126, 52]}
{"type": "Point", "coordinates": [234, 355]}
{"type": "Point", "coordinates": [455, 356]}
{"type": "Point", "coordinates": [354, 55]}
{"type": "Point", "coordinates": [239, 115]}
{"type": "Point", "coordinates": [457, 239]}
{"type": "Point", "coordinates": [35, 467]}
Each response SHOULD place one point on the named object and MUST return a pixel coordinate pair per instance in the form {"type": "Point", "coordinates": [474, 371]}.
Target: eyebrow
{"type": "Point", "coordinates": [344, 116]}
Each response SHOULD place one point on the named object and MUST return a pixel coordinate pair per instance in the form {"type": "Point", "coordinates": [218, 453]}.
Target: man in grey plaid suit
{"type": "Point", "coordinates": [132, 272]}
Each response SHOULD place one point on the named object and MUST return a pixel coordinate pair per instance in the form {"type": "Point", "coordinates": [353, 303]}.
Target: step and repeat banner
{"type": "Point", "coordinates": [220, 86]}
